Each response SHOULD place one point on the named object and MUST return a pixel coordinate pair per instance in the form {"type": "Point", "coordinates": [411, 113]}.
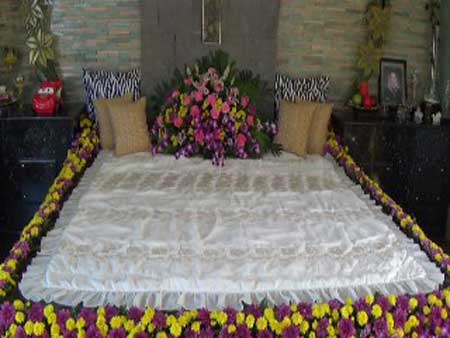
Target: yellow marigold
{"type": "Point", "coordinates": [362, 318]}
{"type": "Point", "coordinates": [304, 327]}
{"type": "Point", "coordinates": [171, 319]}
{"type": "Point", "coordinates": [29, 327]}
{"type": "Point", "coordinates": [250, 321]}
{"type": "Point", "coordinates": [438, 331]}
{"type": "Point", "coordinates": [2, 293]}
{"type": "Point", "coordinates": [161, 334]}
{"type": "Point", "coordinates": [400, 333]}
{"type": "Point", "coordinates": [432, 299]}
{"type": "Point", "coordinates": [331, 331]}
{"type": "Point", "coordinates": [377, 311]}
{"type": "Point", "coordinates": [240, 318]}
{"type": "Point", "coordinates": [413, 303]}
{"type": "Point", "coordinates": [269, 313]}
{"type": "Point", "coordinates": [81, 334]}
{"type": "Point", "coordinates": [426, 310]}
{"type": "Point", "coordinates": [116, 322]}
{"type": "Point", "coordinates": [148, 316]}
{"type": "Point", "coordinates": [297, 318]}
{"type": "Point", "coordinates": [175, 329]}
{"type": "Point", "coordinates": [49, 309]}
{"type": "Point", "coordinates": [129, 325]}
{"type": "Point", "coordinates": [286, 322]}
{"type": "Point", "coordinates": [390, 321]}
{"type": "Point", "coordinates": [55, 330]}
{"type": "Point", "coordinates": [314, 324]}
{"type": "Point", "coordinates": [231, 329]}
{"type": "Point", "coordinates": [81, 323]}
{"type": "Point", "coordinates": [261, 324]}
{"type": "Point", "coordinates": [12, 263]}
{"type": "Point", "coordinates": [34, 232]}
{"type": "Point", "coordinates": [184, 319]}
{"type": "Point", "coordinates": [70, 324]}
{"type": "Point", "coordinates": [294, 307]}
{"type": "Point", "coordinates": [12, 330]}
{"type": "Point", "coordinates": [392, 299]}
{"type": "Point", "coordinates": [38, 329]}
{"type": "Point", "coordinates": [20, 317]}
{"type": "Point", "coordinates": [151, 328]}
{"type": "Point", "coordinates": [444, 313]}
{"type": "Point", "coordinates": [222, 318]}
{"type": "Point", "coordinates": [51, 319]}
{"type": "Point", "coordinates": [346, 311]}
{"type": "Point", "coordinates": [335, 315]}
{"type": "Point", "coordinates": [312, 335]}
{"type": "Point", "coordinates": [196, 327]}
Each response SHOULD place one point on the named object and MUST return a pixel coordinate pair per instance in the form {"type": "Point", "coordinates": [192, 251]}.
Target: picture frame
{"type": "Point", "coordinates": [392, 84]}
{"type": "Point", "coordinates": [212, 22]}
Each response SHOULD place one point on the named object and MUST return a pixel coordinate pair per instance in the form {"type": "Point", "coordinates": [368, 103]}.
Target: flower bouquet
{"type": "Point", "coordinates": [206, 115]}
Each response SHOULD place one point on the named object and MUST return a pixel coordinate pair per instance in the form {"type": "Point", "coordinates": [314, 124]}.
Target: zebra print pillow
{"type": "Point", "coordinates": [101, 84]}
{"type": "Point", "coordinates": [305, 89]}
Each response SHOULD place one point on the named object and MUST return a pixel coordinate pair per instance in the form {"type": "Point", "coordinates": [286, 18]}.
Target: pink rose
{"type": "Point", "coordinates": [215, 113]}
{"type": "Point", "coordinates": [212, 100]}
{"type": "Point", "coordinates": [188, 81]}
{"type": "Point", "coordinates": [241, 141]}
{"type": "Point", "coordinates": [178, 122]}
{"type": "Point", "coordinates": [250, 120]}
{"type": "Point", "coordinates": [218, 87]}
{"type": "Point", "coordinates": [226, 108]}
{"type": "Point", "coordinates": [199, 136]}
{"type": "Point", "coordinates": [187, 101]}
{"type": "Point", "coordinates": [245, 101]}
{"type": "Point", "coordinates": [175, 94]}
{"type": "Point", "coordinates": [195, 111]}
{"type": "Point", "coordinates": [198, 96]}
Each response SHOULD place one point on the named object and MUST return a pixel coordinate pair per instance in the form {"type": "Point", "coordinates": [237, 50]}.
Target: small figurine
{"type": "Point", "coordinates": [418, 116]}
{"type": "Point", "coordinates": [437, 118]}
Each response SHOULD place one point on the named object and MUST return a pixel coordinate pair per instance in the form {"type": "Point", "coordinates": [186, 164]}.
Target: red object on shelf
{"type": "Point", "coordinates": [364, 89]}
{"type": "Point", "coordinates": [48, 100]}
{"type": "Point", "coordinates": [368, 102]}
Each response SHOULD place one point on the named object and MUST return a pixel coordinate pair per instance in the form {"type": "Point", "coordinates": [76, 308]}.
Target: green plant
{"type": "Point", "coordinates": [377, 18]}
{"type": "Point", "coordinates": [40, 41]}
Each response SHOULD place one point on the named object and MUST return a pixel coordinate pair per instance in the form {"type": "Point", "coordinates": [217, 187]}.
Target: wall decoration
{"type": "Point", "coordinates": [392, 82]}
{"type": "Point", "coordinates": [433, 7]}
{"type": "Point", "coordinates": [212, 21]}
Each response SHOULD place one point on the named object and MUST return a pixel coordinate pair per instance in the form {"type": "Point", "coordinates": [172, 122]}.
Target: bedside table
{"type": "Point", "coordinates": [32, 151]}
{"type": "Point", "coordinates": [410, 161]}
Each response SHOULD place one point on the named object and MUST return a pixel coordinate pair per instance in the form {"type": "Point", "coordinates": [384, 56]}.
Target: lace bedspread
{"type": "Point", "coordinates": [160, 232]}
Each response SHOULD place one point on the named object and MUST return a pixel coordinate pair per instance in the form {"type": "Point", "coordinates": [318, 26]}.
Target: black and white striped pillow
{"type": "Point", "coordinates": [99, 84]}
{"type": "Point", "coordinates": [305, 89]}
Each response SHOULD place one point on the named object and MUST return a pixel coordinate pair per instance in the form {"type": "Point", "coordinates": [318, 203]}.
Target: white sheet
{"type": "Point", "coordinates": [171, 234]}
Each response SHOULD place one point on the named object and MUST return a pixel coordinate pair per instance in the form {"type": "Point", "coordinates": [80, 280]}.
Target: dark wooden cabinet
{"type": "Point", "coordinates": [410, 161]}
{"type": "Point", "coordinates": [32, 151]}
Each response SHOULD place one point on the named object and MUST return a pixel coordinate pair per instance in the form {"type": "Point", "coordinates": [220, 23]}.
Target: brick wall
{"type": "Point", "coordinates": [98, 34]}
{"type": "Point", "coordinates": [322, 37]}
{"type": "Point", "coordinates": [314, 37]}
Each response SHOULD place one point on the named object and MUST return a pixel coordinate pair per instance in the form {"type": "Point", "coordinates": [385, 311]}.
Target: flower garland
{"type": "Point", "coordinates": [209, 117]}
{"type": "Point", "coordinates": [372, 316]}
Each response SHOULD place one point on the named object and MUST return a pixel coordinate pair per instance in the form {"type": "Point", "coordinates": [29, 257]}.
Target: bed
{"type": "Point", "coordinates": [171, 234]}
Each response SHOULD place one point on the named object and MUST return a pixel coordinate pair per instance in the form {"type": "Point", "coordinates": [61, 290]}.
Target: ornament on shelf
{"type": "Point", "coordinates": [437, 118]}
{"type": "Point", "coordinates": [418, 116]}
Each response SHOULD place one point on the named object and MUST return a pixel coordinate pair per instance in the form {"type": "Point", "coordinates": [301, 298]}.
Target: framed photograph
{"type": "Point", "coordinates": [392, 82]}
{"type": "Point", "coordinates": [212, 22]}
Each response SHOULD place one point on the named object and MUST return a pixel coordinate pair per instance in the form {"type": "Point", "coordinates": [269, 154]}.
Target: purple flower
{"type": "Point", "coordinates": [231, 314]}
{"type": "Point", "coordinates": [265, 334]}
{"type": "Point", "coordinates": [20, 332]}
{"type": "Point", "coordinates": [63, 316]}
{"type": "Point", "coordinates": [380, 328]}
{"type": "Point", "coordinates": [207, 333]}
{"type": "Point", "coordinates": [7, 315]}
{"type": "Point", "coordinates": [322, 328]}
{"type": "Point", "coordinates": [384, 303]}
{"type": "Point", "coordinates": [291, 332]}
{"type": "Point", "coordinates": [204, 316]}
{"type": "Point", "coordinates": [142, 335]}
{"type": "Point", "coordinates": [283, 310]}
{"type": "Point", "coordinates": [242, 331]}
{"type": "Point", "coordinates": [93, 332]}
{"type": "Point", "coordinates": [435, 316]}
{"type": "Point", "coordinates": [119, 333]}
{"type": "Point", "coordinates": [400, 317]}
{"type": "Point", "coordinates": [403, 302]}
{"type": "Point", "coordinates": [110, 311]}
{"type": "Point", "coordinates": [135, 314]}
{"type": "Point", "coordinates": [346, 328]}
{"type": "Point", "coordinates": [335, 304]}
{"type": "Point", "coordinates": [89, 316]}
{"type": "Point", "coordinates": [255, 310]}
{"type": "Point", "coordinates": [159, 320]}
{"type": "Point", "coordinates": [305, 310]}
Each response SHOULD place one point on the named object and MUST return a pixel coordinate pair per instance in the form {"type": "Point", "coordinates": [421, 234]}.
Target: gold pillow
{"type": "Point", "coordinates": [104, 121]}
{"type": "Point", "coordinates": [129, 123]}
{"type": "Point", "coordinates": [319, 128]}
{"type": "Point", "coordinates": [294, 126]}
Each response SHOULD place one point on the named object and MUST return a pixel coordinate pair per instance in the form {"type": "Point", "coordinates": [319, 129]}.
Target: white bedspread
{"type": "Point", "coordinates": [160, 232]}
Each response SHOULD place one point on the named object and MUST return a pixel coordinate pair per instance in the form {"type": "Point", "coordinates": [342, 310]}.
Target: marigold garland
{"type": "Point", "coordinates": [372, 316]}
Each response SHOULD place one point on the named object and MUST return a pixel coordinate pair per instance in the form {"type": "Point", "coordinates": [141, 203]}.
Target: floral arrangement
{"type": "Point", "coordinates": [422, 315]}
{"type": "Point", "coordinates": [209, 117]}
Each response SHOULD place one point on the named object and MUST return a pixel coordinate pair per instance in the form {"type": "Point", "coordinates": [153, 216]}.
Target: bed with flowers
{"type": "Point", "coordinates": [279, 246]}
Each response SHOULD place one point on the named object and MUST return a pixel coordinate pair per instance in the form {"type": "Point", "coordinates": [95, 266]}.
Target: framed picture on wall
{"type": "Point", "coordinates": [212, 22]}
{"type": "Point", "coordinates": [392, 82]}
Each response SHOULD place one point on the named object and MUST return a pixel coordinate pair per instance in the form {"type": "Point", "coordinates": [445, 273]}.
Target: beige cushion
{"type": "Point", "coordinates": [294, 125]}
{"type": "Point", "coordinates": [104, 123]}
{"type": "Point", "coordinates": [130, 128]}
{"type": "Point", "coordinates": [319, 128]}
